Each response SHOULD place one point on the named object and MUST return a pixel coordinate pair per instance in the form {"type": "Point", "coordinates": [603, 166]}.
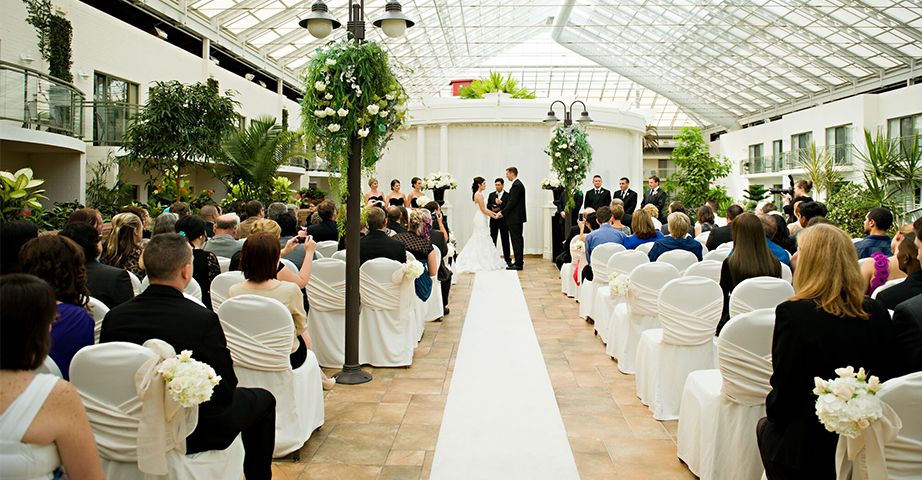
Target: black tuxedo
{"type": "Point", "coordinates": [907, 335]}
{"type": "Point", "coordinates": [514, 213]}
{"type": "Point", "coordinates": [324, 231]}
{"type": "Point", "coordinates": [396, 227]}
{"type": "Point", "coordinates": [597, 200]}
{"type": "Point", "coordinates": [899, 293]}
{"type": "Point", "coordinates": [498, 225]}
{"type": "Point", "coordinates": [444, 276]}
{"type": "Point", "coordinates": [719, 236]}
{"type": "Point", "coordinates": [107, 284]}
{"type": "Point", "coordinates": [163, 312]}
{"type": "Point", "coordinates": [565, 256]}
{"type": "Point", "coordinates": [658, 200]}
{"type": "Point", "coordinates": [561, 202]}
{"type": "Point", "coordinates": [793, 444]}
{"type": "Point", "coordinates": [376, 244]}
{"type": "Point", "coordinates": [629, 197]}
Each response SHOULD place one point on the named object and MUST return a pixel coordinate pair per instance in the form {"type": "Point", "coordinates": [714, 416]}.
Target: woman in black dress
{"type": "Point", "coordinates": [205, 266]}
{"type": "Point", "coordinates": [374, 197]}
{"type": "Point", "coordinates": [395, 198]}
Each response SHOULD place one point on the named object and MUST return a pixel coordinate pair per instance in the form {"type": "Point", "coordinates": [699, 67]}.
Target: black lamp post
{"type": "Point", "coordinates": [552, 120]}
{"type": "Point", "coordinates": [320, 24]}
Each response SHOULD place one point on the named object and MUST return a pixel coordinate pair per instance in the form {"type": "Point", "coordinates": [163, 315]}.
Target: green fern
{"type": "Point", "coordinates": [495, 82]}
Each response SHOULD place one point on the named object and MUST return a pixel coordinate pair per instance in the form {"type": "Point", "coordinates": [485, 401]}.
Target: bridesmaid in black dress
{"type": "Point", "coordinates": [417, 184]}
{"type": "Point", "coordinates": [395, 198]}
{"type": "Point", "coordinates": [374, 197]}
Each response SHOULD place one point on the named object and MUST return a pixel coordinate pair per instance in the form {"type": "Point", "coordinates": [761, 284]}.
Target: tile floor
{"type": "Point", "coordinates": [387, 429]}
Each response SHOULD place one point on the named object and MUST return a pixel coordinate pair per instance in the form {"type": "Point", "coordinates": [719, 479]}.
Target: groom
{"type": "Point", "coordinates": [514, 213]}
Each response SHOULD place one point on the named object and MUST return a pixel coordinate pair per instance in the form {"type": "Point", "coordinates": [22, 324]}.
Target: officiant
{"type": "Point", "coordinates": [495, 203]}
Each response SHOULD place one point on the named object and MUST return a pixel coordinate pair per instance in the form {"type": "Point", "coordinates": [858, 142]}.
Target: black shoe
{"type": "Point", "coordinates": [514, 267]}
{"type": "Point", "coordinates": [445, 310]}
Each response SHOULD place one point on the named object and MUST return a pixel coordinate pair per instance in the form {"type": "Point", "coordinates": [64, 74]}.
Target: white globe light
{"type": "Point", "coordinates": [394, 28]}
{"type": "Point", "coordinates": [319, 28]}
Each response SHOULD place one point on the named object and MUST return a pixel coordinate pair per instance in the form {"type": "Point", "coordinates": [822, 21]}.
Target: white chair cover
{"type": "Point", "coordinates": [433, 308]}
{"type": "Point", "coordinates": [98, 310]}
{"type": "Point", "coordinates": [225, 264]}
{"type": "Point", "coordinates": [786, 274]}
{"type": "Point", "coordinates": [140, 430]}
{"type": "Point", "coordinates": [680, 259]}
{"type": "Point", "coordinates": [326, 320]}
{"type": "Point", "coordinates": [718, 255]}
{"type": "Point", "coordinates": [703, 238]}
{"type": "Point", "coordinates": [327, 248]}
{"type": "Point", "coordinates": [600, 308]}
{"type": "Point", "coordinates": [645, 247]}
{"type": "Point", "coordinates": [886, 286]}
{"type": "Point", "coordinates": [416, 306]}
{"type": "Point", "coordinates": [721, 407]}
{"type": "Point", "coordinates": [759, 292]}
{"type": "Point", "coordinates": [689, 309]}
{"type": "Point", "coordinates": [340, 255]}
{"type": "Point", "coordinates": [260, 332]}
{"type": "Point", "coordinates": [289, 265]}
{"type": "Point", "coordinates": [621, 263]}
{"type": "Point", "coordinates": [640, 310]}
{"type": "Point", "coordinates": [388, 333]}
{"type": "Point", "coordinates": [599, 262]}
{"type": "Point", "coordinates": [705, 268]}
{"type": "Point", "coordinates": [192, 289]}
{"type": "Point", "coordinates": [725, 246]}
{"type": "Point", "coordinates": [567, 284]}
{"type": "Point", "coordinates": [220, 287]}
{"type": "Point", "coordinates": [898, 436]}
{"type": "Point", "coordinates": [49, 367]}
{"type": "Point", "coordinates": [135, 283]}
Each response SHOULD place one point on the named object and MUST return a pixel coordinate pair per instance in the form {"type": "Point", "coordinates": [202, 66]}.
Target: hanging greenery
{"type": "Point", "coordinates": [55, 35]}
{"type": "Point", "coordinates": [571, 158]}
{"type": "Point", "coordinates": [494, 83]}
{"type": "Point", "coordinates": [351, 89]}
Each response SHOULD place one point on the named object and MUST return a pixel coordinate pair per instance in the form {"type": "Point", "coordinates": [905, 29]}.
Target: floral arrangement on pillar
{"type": "Point", "coordinates": [571, 158]}
{"type": "Point", "coordinates": [439, 182]}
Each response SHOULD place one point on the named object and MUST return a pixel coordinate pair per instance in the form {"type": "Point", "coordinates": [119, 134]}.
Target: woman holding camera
{"type": "Point", "coordinates": [801, 194]}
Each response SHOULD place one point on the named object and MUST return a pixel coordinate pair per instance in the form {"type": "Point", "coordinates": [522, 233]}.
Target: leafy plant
{"type": "Point", "coordinates": [820, 167]}
{"type": "Point", "coordinates": [571, 158]}
{"type": "Point", "coordinates": [55, 35]}
{"type": "Point", "coordinates": [18, 191]}
{"type": "Point", "coordinates": [651, 139]}
{"type": "Point", "coordinates": [253, 156]}
{"type": "Point", "coordinates": [848, 206]}
{"type": "Point", "coordinates": [306, 196]}
{"type": "Point", "coordinates": [53, 218]}
{"type": "Point", "coordinates": [203, 198]}
{"type": "Point", "coordinates": [696, 170]}
{"type": "Point", "coordinates": [892, 171]}
{"type": "Point", "coordinates": [100, 196]}
{"type": "Point", "coordinates": [179, 129]}
{"type": "Point", "coordinates": [754, 195]}
{"type": "Point", "coordinates": [495, 82]}
{"type": "Point", "coordinates": [281, 191]}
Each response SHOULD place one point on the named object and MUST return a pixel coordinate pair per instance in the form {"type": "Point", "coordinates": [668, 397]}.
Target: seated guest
{"type": "Point", "coordinates": [770, 227]}
{"type": "Point", "coordinates": [678, 224]}
{"type": "Point", "coordinates": [275, 210]}
{"type": "Point", "coordinates": [224, 243]}
{"type": "Point", "coordinates": [288, 226]}
{"type": "Point", "coordinates": [884, 268]}
{"type": "Point", "coordinates": [404, 216]}
{"type": "Point", "coordinates": [59, 262]}
{"type": "Point", "coordinates": [163, 312]}
{"type": "Point", "coordinates": [417, 242]}
{"type": "Point", "coordinates": [439, 238]}
{"type": "Point", "coordinates": [259, 261]}
{"type": "Point", "coordinates": [781, 236]}
{"type": "Point", "coordinates": [604, 234]}
{"type": "Point", "coordinates": [143, 215]}
{"type": "Point", "coordinates": [326, 230]}
{"type": "Point", "coordinates": [653, 212]}
{"type": "Point", "coordinates": [814, 335]}
{"type": "Point", "coordinates": [795, 226]}
{"type": "Point", "coordinates": [644, 230]}
{"type": "Point", "coordinates": [376, 243]}
{"type": "Point", "coordinates": [87, 215]}
{"type": "Point", "coordinates": [676, 207]}
{"type": "Point", "coordinates": [393, 220]}
{"type": "Point", "coordinates": [180, 208]}
{"type": "Point", "coordinates": [48, 429]}
{"type": "Point", "coordinates": [109, 285]}
{"type": "Point", "coordinates": [439, 220]}
{"type": "Point", "coordinates": [722, 235]}
{"type": "Point", "coordinates": [705, 218]}
{"type": "Point", "coordinates": [617, 213]}
{"type": "Point", "coordinates": [303, 275]}
{"type": "Point", "coordinates": [907, 324]}
{"type": "Point", "coordinates": [750, 258]}
{"type": "Point", "coordinates": [907, 256]}
{"type": "Point", "coordinates": [578, 231]}
{"type": "Point", "coordinates": [13, 235]}
{"type": "Point", "coordinates": [590, 223]}
{"type": "Point", "coordinates": [876, 224]}
{"type": "Point", "coordinates": [715, 208]}
{"type": "Point", "coordinates": [205, 266]}
{"type": "Point", "coordinates": [254, 211]}
{"type": "Point", "coordinates": [209, 214]}
{"type": "Point", "coordinates": [165, 223]}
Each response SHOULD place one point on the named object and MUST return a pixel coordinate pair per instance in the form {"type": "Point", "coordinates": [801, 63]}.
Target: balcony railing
{"type": "Point", "coordinates": [795, 159]}
{"type": "Point", "coordinates": [111, 120]}
{"type": "Point", "coordinates": [39, 101]}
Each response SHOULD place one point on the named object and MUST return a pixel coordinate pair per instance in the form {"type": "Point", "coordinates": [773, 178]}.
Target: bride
{"type": "Point", "coordinates": [479, 254]}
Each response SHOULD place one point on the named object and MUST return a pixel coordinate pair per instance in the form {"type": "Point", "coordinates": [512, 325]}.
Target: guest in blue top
{"type": "Point", "coordinates": [59, 261]}
{"type": "Point", "coordinates": [770, 226]}
{"type": "Point", "coordinates": [679, 239]}
{"type": "Point", "coordinates": [644, 230]}
{"type": "Point", "coordinates": [606, 233]}
{"type": "Point", "coordinates": [876, 224]}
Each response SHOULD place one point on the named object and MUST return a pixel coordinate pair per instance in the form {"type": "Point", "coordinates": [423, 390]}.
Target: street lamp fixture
{"type": "Point", "coordinates": [552, 119]}
{"type": "Point", "coordinates": [319, 23]}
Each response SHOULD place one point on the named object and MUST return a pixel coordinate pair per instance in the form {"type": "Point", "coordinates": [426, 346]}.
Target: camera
{"type": "Point", "coordinates": [784, 191]}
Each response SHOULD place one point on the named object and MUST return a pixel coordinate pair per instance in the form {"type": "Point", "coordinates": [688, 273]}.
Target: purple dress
{"type": "Point", "coordinates": [73, 331]}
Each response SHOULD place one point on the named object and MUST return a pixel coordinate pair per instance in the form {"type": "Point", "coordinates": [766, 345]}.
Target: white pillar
{"type": "Point", "coordinates": [443, 147]}
{"type": "Point", "coordinates": [206, 57]}
{"type": "Point", "coordinates": [547, 247]}
{"type": "Point", "coordinates": [638, 159]}
{"type": "Point", "coordinates": [281, 98]}
{"type": "Point", "coordinates": [421, 150]}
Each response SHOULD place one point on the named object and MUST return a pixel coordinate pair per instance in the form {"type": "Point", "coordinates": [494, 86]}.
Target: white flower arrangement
{"type": "Point", "coordinates": [412, 270]}
{"type": "Point", "coordinates": [552, 180]}
{"type": "Point", "coordinates": [848, 404]}
{"type": "Point", "coordinates": [363, 132]}
{"type": "Point", "coordinates": [330, 62]}
{"type": "Point", "coordinates": [320, 86]}
{"type": "Point", "coordinates": [422, 200]}
{"type": "Point", "coordinates": [342, 112]}
{"type": "Point", "coordinates": [440, 180]}
{"type": "Point", "coordinates": [451, 250]}
{"type": "Point", "coordinates": [373, 109]}
{"type": "Point", "coordinates": [618, 284]}
{"type": "Point", "coordinates": [329, 111]}
{"type": "Point", "coordinates": [579, 246]}
{"type": "Point", "coordinates": [334, 127]}
{"type": "Point", "coordinates": [189, 382]}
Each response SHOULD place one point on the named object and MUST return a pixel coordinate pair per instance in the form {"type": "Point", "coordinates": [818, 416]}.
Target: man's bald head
{"type": "Point", "coordinates": [226, 224]}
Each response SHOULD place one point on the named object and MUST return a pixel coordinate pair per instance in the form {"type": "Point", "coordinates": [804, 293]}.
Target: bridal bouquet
{"type": "Point", "coordinates": [551, 181]}
{"type": "Point", "coordinates": [439, 180]}
{"type": "Point", "coordinates": [412, 270]}
{"type": "Point", "coordinates": [422, 200]}
{"type": "Point", "coordinates": [848, 404]}
{"type": "Point", "coordinates": [618, 283]}
{"type": "Point", "coordinates": [190, 382]}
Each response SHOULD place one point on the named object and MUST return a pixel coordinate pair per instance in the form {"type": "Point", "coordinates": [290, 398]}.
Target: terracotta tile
{"type": "Point", "coordinates": [286, 471]}
{"type": "Point", "coordinates": [406, 457]}
{"type": "Point", "coordinates": [366, 392]}
{"type": "Point", "coordinates": [645, 426]}
{"type": "Point", "coordinates": [588, 378]}
{"type": "Point", "coordinates": [597, 427]}
{"type": "Point", "coordinates": [587, 445]}
{"type": "Point", "coordinates": [416, 385]}
{"type": "Point", "coordinates": [400, 473]}
{"type": "Point", "coordinates": [340, 472]}
{"type": "Point", "coordinates": [391, 413]}
{"type": "Point", "coordinates": [348, 412]}
{"type": "Point", "coordinates": [355, 444]}
{"type": "Point", "coordinates": [637, 458]}
{"type": "Point", "coordinates": [416, 437]}
{"type": "Point", "coordinates": [594, 466]}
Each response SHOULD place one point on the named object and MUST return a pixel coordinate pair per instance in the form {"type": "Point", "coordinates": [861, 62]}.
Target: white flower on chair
{"type": "Point", "coordinates": [848, 404]}
{"type": "Point", "coordinates": [412, 270]}
{"type": "Point", "coordinates": [189, 382]}
{"type": "Point", "coordinates": [618, 284]}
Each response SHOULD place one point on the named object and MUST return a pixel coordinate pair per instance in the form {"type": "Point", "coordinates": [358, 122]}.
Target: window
{"type": "Point", "coordinates": [115, 104]}
{"type": "Point", "coordinates": [905, 126]}
{"type": "Point", "coordinates": [777, 155]}
{"type": "Point", "coordinates": [665, 168]}
{"type": "Point", "coordinates": [756, 161]}
{"type": "Point", "coordinates": [839, 144]}
{"type": "Point", "coordinates": [799, 144]}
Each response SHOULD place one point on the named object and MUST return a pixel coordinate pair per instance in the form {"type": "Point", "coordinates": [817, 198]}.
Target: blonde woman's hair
{"type": "Point", "coordinates": [828, 272]}
{"type": "Point", "coordinates": [372, 181]}
{"type": "Point", "coordinates": [678, 224]}
{"type": "Point", "coordinates": [123, 239]}
{"type": "Point", "coordinates": [651, 210]}
{"type": "Point", "coordinates": [642, 224]}
{"type": "Point", "coordinates": [268, 226]}
{"type": "Point", "coordinates": [420, 222]}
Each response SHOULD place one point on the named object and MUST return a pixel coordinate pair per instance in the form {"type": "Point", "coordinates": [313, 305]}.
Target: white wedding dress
{"type": "Point", "coordinates": [479, 253]}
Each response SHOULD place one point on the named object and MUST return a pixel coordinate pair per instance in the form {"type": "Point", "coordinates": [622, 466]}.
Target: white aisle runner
{"type": "Point", "coordinates": [501, 419]}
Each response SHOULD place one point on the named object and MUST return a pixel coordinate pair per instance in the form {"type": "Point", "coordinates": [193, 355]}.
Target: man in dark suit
{"type": "Point", "coordinates": [626, 195]}
{"type": "Point", "coordinates": [163, 312]}
{"type": "Point", "coordinates": [325, 230]}
{"type": "Point", "coordinates": [440, 239]}
{"type": "Point", "coordinates": [109, 285]}
{"type": "Point", "coordinates": [907, 336]}
{"type": "Point", "coordinates": [655, 196]}
{"type": "Point", "coordinates": [376, 243]}
{"type": "Point", "coordinates": [514, 213]}
{"type": "Point", "coordinates": [495, 203]}
{"type": "Point", "coordinates": [393, 220]}
{"type": "Point", "coordinates": [910, 265]}
{"type": "Point", "coordinates": [721, 235]}
{"type": "Point", "coordinates": [598, 197]}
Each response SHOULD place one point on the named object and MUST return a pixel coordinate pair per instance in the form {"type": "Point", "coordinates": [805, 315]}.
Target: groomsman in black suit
{"type": "Point", "coordinates": [627, 196]}
{"type": "Point", "coordinates": [656, 196]}
{"type": "Point", "coordinates": [514, 213]}
{"type": "Point", "coordinates": [598, 197]}
{"type": "Point", "coordinates": [495, 203]}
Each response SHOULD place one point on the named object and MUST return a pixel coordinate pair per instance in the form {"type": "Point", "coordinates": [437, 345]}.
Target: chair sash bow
{"type": "Point", "coordinates": [326, 297]}
{"type": "Point", "coordinates": [871, 441]}
{"type": "Point", "coordinates": [689, 328]}
{"type": "Point", "coordinates": [641, 300]}
{"type": "Point", "coordinates": [745, 375]}
{"type": "Point", "coordinates": [268, 351]}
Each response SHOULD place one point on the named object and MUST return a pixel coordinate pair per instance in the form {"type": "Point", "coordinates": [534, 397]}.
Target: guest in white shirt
{"type": "Point", "coordinates": [715, 207]}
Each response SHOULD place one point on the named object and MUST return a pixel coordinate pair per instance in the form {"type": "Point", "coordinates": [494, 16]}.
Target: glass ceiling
{"type": "Point", "coordinates": [691, 61]}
